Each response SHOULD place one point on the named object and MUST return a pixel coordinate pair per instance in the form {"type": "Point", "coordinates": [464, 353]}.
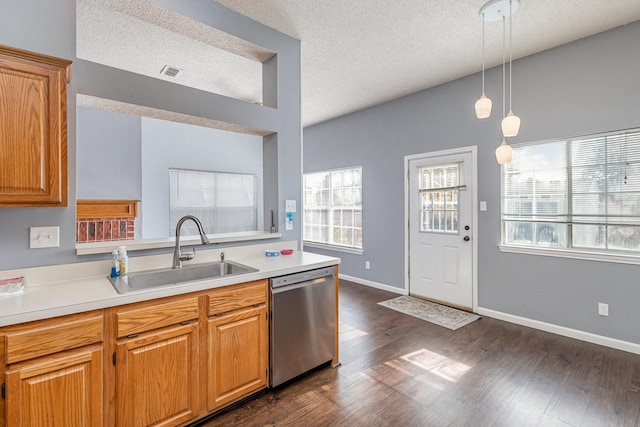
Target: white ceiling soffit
{"type": "Point", "coordinates": [140, 37]}
{"type": "Point", "coordinates": [360, 53]}
{"type": "Point", "coordinates": [139, 110]}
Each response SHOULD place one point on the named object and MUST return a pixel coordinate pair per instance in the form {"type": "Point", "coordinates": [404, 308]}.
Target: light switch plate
{"type": "Point", "coordinates": [290, 206]}
{"type": "Point", "coordinates": [483, 205]}
{"type": "Point", "coordinates": [44, 237]}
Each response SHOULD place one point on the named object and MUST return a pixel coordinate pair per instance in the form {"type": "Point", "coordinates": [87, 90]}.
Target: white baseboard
{"type": "Point", "coordinates": [561, 330]}
{"type": "Point", "coordinates": [372, 284]}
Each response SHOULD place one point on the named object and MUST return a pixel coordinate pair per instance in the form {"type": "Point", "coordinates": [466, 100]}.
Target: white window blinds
{"type": "Point", "coordinates": [575, 193]}
{"type": "Point", "coordinates": [223, 202]}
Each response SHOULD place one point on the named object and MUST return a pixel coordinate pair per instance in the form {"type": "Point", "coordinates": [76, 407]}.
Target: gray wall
{"type": "Point", "coordinates": [108, 155]}
{"type": "Point", "coordinates": [585, 87]}
{"type": "Point", "coordinates": [49, 27]}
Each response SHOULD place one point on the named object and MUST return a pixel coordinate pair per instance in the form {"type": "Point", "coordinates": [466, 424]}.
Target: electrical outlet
{"type": "Point", "coordinates": [44, 237]}
{"type": "Point", "coordinates": [603, 309]}
{"type": "Point", "coordinates": [367, 265]}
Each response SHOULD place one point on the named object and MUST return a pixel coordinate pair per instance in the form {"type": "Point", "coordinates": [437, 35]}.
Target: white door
{"type": "Point", "coordinates": [441, 221]}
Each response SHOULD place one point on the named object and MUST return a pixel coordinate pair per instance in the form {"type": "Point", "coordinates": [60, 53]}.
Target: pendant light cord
{"type": "Point", "coordinates": [510, 64]}
{"type": "Point", "coordinates": [503, 66]}
{"type": "Point", "coordinates": [483, 54]}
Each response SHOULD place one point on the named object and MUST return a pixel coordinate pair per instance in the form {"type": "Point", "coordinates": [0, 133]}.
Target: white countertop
{"type": "Point", "coordinates": [76, 288]}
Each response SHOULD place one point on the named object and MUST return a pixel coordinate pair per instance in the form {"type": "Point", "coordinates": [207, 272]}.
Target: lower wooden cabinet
{"type": "Point", "coordinates": [62, 390]}
{"type": "Point", "coordinates": [52, 372]}
{"type": "Point", "coordinates": [237, 356]}
{"type": "Point", "coordinates": [163, 362]}
{"type": "Point", "coordinates": [157, 377]}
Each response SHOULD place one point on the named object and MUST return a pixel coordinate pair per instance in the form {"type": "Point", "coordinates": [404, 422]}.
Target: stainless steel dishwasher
{"type": "Point", "coordinates": [303, 322]}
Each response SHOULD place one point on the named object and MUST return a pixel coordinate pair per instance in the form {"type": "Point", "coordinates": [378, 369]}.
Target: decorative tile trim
{"type": "Point", "coordinates": [104, 229]}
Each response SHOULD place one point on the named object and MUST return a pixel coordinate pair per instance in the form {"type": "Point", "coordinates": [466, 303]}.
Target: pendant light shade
{"type": "Point", "coordinates": [504, 153]}
{"type": "Point", "coordinates": [510, 125]}
{"type": "Point", "coordinates": [483, 107]}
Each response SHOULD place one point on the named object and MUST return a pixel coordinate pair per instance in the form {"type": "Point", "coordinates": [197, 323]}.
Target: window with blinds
{"type": "Point", "coordinates": [224, 202]}
{"type": "Point", "coordinates": [581, 193]}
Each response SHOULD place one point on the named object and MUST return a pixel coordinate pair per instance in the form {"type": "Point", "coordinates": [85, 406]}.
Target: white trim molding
{"type": "Point", "coordinates": [562, 330]}
{"type": "Point", "coordinates": [328, 247]}
{"type": "Point", "coordinates": [372, 284]}
{"type": "Point", "coordinates": [572, 253]}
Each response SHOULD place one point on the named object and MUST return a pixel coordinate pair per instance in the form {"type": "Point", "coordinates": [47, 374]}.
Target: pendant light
{"type": "Point", "coordinates": [483, 104]}
{"type": "Point", "coordinates": [511, 122]}
{"type": "Point", "coordinates": [504, 151]}
{"type": "Point", "coordinates": [491, 11]}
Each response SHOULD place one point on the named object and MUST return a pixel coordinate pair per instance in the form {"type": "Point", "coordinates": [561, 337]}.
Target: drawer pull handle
{"type": "Point", "coordinates": [257, 305]}
{"type": "Point", "coordinates": [186, 322]}
{"type": "Point", "coordinates": [132, 335]}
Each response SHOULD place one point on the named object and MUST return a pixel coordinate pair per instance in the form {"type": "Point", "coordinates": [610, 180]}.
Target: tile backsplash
{"type": "Point", "coordinates": [104, 229]}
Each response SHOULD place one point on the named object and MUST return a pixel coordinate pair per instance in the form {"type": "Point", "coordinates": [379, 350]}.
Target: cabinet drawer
{"type": "Point", "coordinates": [52, 335]}
{"type": "Point", "coordinates": [147, 316]}
{"type": "Point", "coordinates": [233, 297]}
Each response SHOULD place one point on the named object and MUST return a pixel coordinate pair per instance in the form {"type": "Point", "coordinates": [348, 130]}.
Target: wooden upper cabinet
{"type": "Point", "coordinates": [33, 129]}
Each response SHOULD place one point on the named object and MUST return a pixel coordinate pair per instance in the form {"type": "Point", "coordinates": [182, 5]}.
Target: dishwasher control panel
{"type": "Point", "coordinates": [304, 276]}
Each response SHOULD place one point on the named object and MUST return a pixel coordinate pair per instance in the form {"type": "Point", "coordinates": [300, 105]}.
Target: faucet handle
{"type": "Point", "coordinates": [188, 256]}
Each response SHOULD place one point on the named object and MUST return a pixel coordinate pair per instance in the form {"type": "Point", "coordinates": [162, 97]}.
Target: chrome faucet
{"type": "Point", "coordinates": [221, 256]}
{"type": "Point", "coordinates": [178, 256]}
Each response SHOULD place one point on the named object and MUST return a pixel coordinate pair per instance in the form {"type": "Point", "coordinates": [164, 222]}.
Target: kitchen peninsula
{"type": "Point", "coordinates": [205, 340]}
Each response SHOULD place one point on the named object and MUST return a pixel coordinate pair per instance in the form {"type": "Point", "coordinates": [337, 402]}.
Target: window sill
{"type": "Point", "coordinates": [571, 253]}
{"type": "Point", "coordinates": [169, 242]}
{"type": "Point", "coordinates": [334, 248]}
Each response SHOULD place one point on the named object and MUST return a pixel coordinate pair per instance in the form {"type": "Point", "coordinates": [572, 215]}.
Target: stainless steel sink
{"type": "Point", "coordinates": [164, 277]}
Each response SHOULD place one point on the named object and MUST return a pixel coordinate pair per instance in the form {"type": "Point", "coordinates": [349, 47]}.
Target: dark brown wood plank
{"type": "Point", "coordinates": [401, 371]}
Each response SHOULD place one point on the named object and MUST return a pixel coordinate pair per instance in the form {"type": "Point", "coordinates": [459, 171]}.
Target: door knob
{"type": "Point", "coordinates": [466, 238]}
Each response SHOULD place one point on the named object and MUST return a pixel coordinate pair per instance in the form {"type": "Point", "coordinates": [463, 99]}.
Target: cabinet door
{"type": "Point", "coordinates": [157, 377]}
{"type": "Point", "coordinates": [33, 129]}
{"type": "Point", "coordinates": [63, 390]}
{"type": "Point", "coordinates": [237, 356]}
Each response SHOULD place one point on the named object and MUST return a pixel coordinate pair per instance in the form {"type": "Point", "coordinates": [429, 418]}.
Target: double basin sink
{"type": "Point", "coordinates": [164, 277]}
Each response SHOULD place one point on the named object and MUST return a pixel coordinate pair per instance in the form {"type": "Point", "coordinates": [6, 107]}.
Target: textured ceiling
{"type": "Point", "coordinates": [355, 53]}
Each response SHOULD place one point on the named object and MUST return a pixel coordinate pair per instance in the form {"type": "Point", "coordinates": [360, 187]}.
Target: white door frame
{"type": "Point", "coordinates": [473, 149]}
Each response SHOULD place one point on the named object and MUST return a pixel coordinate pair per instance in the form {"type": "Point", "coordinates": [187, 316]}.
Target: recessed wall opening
{"type": "Point", "coordinates": [141, 37]}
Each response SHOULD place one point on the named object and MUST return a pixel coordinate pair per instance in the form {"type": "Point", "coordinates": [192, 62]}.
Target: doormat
{"type": "Point", "coordinates": [431, 312]}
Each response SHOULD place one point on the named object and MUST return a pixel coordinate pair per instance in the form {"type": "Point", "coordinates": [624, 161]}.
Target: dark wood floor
{"type": "Point", "coordinates": [401, 371]}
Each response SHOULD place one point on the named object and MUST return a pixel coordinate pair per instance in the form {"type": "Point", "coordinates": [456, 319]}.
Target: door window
{"type": "Point", "coordinates": [439, 190]}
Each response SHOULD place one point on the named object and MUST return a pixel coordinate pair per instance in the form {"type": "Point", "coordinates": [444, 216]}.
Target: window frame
{"type": "Point", "coordinates": [569, 251]}
{"type": "Point", "coordinates": [330, 208]}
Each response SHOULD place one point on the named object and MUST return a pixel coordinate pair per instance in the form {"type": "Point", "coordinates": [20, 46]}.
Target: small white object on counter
{"type": "Point", "coordinates": [11, 286]}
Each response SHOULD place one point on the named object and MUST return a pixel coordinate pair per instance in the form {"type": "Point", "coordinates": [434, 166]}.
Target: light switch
{"type": "Point", "coordinates": [44, 237]}
{"type": "Point", "coordinates": [290, 206]}
{"type": "Point", "coordinates": [483, 205]}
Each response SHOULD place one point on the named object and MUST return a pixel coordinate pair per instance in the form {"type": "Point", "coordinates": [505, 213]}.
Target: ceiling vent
{"type": "Point", "coordinates": [171, 71]}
